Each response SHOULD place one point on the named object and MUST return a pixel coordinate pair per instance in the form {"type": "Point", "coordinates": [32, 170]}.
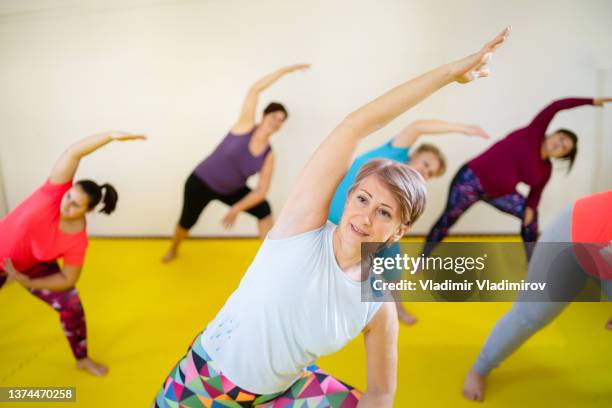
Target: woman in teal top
{"type": "Point", "coordinates": [426, 159]}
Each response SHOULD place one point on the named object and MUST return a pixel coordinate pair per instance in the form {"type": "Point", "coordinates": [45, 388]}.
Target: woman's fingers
{"type": "Point", "coordinates": [8, 267]}
{"type": "Point", "coordinates": [297, 67]}
{"type": "Point", "coordinates": [498, 40]}
{"type": "Point", "coordinates": [128, 136]}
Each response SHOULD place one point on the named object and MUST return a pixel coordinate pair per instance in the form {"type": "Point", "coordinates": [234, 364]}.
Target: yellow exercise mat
{"type": "Point", "coordinates": [142, 315]}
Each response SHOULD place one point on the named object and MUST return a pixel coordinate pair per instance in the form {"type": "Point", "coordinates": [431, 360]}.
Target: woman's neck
{"type": "Point", "coordinates": [543, 151]}
{"type": "Point", "coordinates": [72, 226]}
{"type": "Point", "coordinates": [261, 135]}
{"type": "Point", "coordinates": [345, 256]}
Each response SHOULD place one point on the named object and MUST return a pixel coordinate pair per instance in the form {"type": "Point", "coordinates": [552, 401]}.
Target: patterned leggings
{"type": "Point", "coordinates": [197, 382]}
{"type": "Point", "coordinates": [66, 302]}
{"type": "Point", "coordinates": [464, 191]}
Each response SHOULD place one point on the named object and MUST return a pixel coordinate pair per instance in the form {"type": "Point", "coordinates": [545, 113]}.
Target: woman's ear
{"type": "Point", "coordinates": [400, 232]}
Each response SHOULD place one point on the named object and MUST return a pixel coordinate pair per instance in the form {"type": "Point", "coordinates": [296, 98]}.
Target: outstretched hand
{"type": "Point", "coordinates": [476, 65]}
{"type": "Point", "coordinates": [125, 136]}
{"type": "Point", "coordinates": [475, 130]}
{"type": "Point", "coordinates": [296, 67]}
{"type": "Point", "coordinates": [601, 101]}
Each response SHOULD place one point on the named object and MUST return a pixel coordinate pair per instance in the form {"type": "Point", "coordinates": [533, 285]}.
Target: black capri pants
{"type": "Point", "coordinates": [198, 194]}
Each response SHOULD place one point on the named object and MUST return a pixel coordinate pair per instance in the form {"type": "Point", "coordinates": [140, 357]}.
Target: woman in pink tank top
{"type": "Point", "coordinates": [50, 224]}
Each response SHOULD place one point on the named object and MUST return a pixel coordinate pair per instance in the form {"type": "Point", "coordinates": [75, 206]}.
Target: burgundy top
{"type": "Point", "coordinates": [227, 169]}
{"type": "Point", "coordinates": [517, 157]}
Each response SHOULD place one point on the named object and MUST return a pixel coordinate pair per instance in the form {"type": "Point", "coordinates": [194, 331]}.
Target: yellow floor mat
{"type": "Point", "coordinates": [142, 315]}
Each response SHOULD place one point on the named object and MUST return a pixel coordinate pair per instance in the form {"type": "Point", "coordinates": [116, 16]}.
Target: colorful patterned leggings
{"type": "Point", "coordinates": [464, 191]}
{"type": "Point", "coordinates": [197, 382]}
{"type": "Point", "coordinates": [67, 303]}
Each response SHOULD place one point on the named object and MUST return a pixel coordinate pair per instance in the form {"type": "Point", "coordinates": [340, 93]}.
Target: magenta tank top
{"type": "Point", "coordinates": [229, 166]}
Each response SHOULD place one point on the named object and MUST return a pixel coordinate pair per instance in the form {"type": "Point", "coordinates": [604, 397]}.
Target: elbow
{"type": "Point", "coordinates": [260, 194]}
{"type": "Point", "coordinates": [255, 89]}
{"type": "Point", "coordinates": [417, 125]}
{"type": "Point", "coordinates": [65, 286]}
{"type": "Point", "coordinates": [384, 391]}
{"type": "Point", "coordinates": [351, 121]}
{"type": "Point", "coordinates": [68, 282]}
{"type": "Point", "coordinates": [356, 125]}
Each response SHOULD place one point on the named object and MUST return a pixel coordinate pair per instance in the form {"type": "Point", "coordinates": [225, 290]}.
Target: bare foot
{"type": "Point", "coordinates": [404, 316]}
{"type": "Point", "coordinates": [94, 368]}
{"type": "Point", "coordinates": [474, 386]}
{"type": "Point", "coordinates": [169, 256]}
{"type": "Point", "coordinates": [609, 324]}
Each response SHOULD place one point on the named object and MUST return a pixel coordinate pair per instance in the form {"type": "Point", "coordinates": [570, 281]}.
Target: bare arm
{"type": "Point", "coordinates": [540, 123]}
{"type": "Point", "coordinates": [409, 135]}
{"type": "Point", "coordinates": [249, 106]}
{"type": "Point", "coordinates": [254, 197]}
{"type": "Point", "coordinates": [68, 163]}
{"type": "Point", "coordinates": [308, 203]}
{"type": "Point", "coordinates": [601, 101]}
{"type": "Point", "coordinates": [63, 280]}
{"type": "Point", "coordinates": [381, 358]}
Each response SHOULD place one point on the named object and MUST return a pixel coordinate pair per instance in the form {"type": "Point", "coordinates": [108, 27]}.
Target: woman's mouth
{"type": "Point", "coordinates": [359, 232]}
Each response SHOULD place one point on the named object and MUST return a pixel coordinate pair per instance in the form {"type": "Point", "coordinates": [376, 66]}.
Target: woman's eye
{"type": "Point", "coordinates": [385, 213]}
{"type": "Point", "coordinates": [361, 199]}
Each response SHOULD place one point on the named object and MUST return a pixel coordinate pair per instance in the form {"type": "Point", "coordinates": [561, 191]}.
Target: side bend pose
{"type": "Point", "coordinates": [50, 224]}
{"type": "Point", "coordinates": [301, 297]}
{"type": "Point", "coordinates": [562, 260]}
{"type": "Point", "coordinates": [243, 152]}
{"type": "Point", "coordinates": [522, 156]}
{"type": "Point", "coordinates": [427, 159]}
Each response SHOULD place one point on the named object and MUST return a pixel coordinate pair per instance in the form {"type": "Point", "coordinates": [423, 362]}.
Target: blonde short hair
{"type": "Point", "coordinates": [429, 148]}
{"type": "Point", "coordinates": [405, 184]}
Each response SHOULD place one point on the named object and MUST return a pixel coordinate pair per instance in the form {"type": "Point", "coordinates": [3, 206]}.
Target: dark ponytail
{"type": "Point", "coordinates": [96, 193]}
{"type": "Point", "coordinates": [110, 198]}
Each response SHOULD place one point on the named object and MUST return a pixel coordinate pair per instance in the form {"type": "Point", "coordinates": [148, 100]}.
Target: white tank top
{"type": "Point", "coordinates": [293, 305]}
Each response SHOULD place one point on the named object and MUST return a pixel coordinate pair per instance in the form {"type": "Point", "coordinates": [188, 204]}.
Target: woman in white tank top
{"type": "Point", "coordinates": [301, 297]}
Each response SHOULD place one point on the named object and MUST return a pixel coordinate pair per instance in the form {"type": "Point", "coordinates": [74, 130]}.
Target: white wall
{"type": "Point", "coordinates": [177, 71]}
{"type": "Point", "coordinates": [3, 205]}
{"type": "Point", "coordinates": [602, 163]}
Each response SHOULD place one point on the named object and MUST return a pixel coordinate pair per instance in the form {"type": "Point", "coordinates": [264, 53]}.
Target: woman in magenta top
{"type": "Point", "coordinates": [222, 176]}
{"type": "Point", "coordinates": [522, 156]}
{"type": "Point", "coordinates": [50, 224]}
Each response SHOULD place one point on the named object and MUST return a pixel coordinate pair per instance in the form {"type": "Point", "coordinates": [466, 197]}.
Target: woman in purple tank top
{"type": "Point", "coordinates": [222, 176]}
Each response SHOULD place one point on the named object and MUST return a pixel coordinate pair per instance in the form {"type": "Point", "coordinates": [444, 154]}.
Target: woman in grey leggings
{"type": "Point", "coordinates": [563, 266]}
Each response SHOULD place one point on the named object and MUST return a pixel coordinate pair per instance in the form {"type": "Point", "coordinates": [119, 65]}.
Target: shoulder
{"type": "Point", "coordinates": [308, 237]}
{"type": "Point", "coordinates": [240, 129]}
{"type": "Point", "coordinates": [50, 187]}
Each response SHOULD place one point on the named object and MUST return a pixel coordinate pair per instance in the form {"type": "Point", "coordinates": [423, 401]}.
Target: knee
{"type": "Point", "coordinates": [268, 219]}
{"type": "Point", "coordinates": [73, 309]}
{"type": "Point", "coordinates": [532, 315]}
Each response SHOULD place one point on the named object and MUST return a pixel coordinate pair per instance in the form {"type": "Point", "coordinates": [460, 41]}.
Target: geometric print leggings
{"type": "Point", "coordinates": [196, 381]}
{"type": "Point", "coordinates": [67, 303]}
{"type": "Point", "coordinates": [464, 191]}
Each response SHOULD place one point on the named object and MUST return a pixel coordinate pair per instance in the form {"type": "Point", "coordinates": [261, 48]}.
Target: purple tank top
{"type": "Point", "coordinates": [229, 166]}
